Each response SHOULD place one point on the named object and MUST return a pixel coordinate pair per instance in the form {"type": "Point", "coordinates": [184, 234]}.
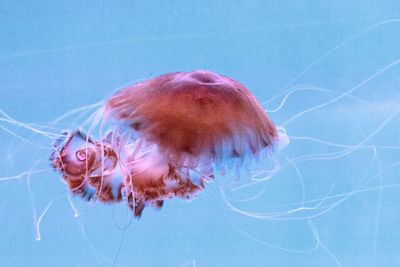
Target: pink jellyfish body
{"type": "Point", "coordinates": [169, 136]}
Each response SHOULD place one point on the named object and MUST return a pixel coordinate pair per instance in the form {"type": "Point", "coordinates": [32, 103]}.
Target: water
{"type": "Point", "coordinates": [326, 72]}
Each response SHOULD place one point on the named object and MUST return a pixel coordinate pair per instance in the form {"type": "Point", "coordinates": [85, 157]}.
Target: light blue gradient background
{"type": "Point", "coordinates": [56, 56]}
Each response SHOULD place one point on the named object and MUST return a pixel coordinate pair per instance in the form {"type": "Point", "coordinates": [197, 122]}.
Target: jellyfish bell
{"type": "Point", "coordinates": [170, 134]}
{"type": "Point", "coordinates": [194, 113]}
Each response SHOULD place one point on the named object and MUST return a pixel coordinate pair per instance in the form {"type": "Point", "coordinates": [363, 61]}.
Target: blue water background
{"type": "Point", "coordinates": [57, 56]}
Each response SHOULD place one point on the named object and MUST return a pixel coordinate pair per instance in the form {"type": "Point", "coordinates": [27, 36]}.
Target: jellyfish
{"type": "Point", "coordinates": [167, 137]}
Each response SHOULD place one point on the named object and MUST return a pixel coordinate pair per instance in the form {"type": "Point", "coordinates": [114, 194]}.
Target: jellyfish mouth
{"type": "Point", "coordinates": [140, 174]}
{"type": "Point", "coordinates": [88, 168]}
{"type": "Point", "coordinates": [76, 155]}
